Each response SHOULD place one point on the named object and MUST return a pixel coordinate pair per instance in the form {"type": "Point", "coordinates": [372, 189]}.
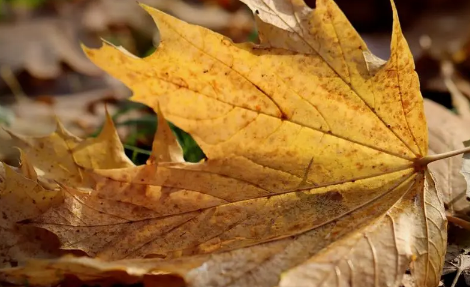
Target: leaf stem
{"type": "Point", "coordinates": [430, 158]}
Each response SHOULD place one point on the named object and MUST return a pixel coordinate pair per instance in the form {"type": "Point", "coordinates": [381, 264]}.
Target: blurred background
{"type": "Point", "coordinates": [44, 74]}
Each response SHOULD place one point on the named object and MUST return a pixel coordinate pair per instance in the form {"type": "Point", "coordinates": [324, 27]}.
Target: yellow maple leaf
{"type": "Point", "coordinates": [316, 170]}
{"type": "Point", "coordinates": [330, 133]}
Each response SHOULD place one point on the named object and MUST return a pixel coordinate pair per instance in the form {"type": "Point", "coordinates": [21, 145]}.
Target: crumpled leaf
{"type": "Point", "coordinates": [23, 196]}
{"type": "Point", "coordinates": [458, 261]}
{"type": "Point", "coordinates": [457, 258]}
{"type": "Point", "coordinates": [64, 157]}
{"type": "Point", "coordinates": [314, 172]}
{"type": "Point", "coordinates": [447, 132]}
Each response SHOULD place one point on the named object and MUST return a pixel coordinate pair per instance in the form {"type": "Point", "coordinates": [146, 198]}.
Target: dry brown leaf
{"type": "Point", "coordinates": [458, 261]}
{"type": "Point", "coordinates": [100, 15]}
{"type": "Point", "coordinates": [40, 46]}
{"type": "Point", "coordinates": [36, 118]}
{"type": "Point", "coordinates": [316, 160]}
{"type": "Point", "coordinates": [22, 197]}
{"type": "Point", "coordinates": [447, 132]}
{"type": "Point", "coordinates": [459, 101]}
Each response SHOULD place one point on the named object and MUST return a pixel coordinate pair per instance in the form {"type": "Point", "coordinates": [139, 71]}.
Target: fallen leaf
{"type": "Point", "coordinates": [255, 117]}
{"type": "Point", "coordinates": [458, 262]}
{"type": "Point", "coordinates": [459, 101]}
{"type": "Point", "coordinates": [35, 118]}
{"type": "Point", "coordinates": [458, 255]}
{"type": "Point", "coordinates": [22, 197]}
{"type": "Point", "coordinates": [316, 170]}
{"type": "Point", "coordinates": [447, 132]}
{"type": "Point", "coordinates": [40, 46]}
{"type": "Point", "coordinates": [63, 157]}
{"type": "Point", "coordinates": [115, 218]}
{"type": "Point", "coordinates": [100, 15]}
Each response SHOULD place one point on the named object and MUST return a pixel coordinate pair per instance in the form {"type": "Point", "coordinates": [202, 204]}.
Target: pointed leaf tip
{"type": "Point", "coordinates": [109, 128]}
{"type": "Point", "coordinates": [87, 50]}
{"type": "Point", "coordinates": [165, 147]}
{"type": "Point", "coordinates": [396, 27]}
{"type": "Point", "coordinates": [26, 167]}
{"type": "Point", "coordinates": [145, 6]}
{"type": "Point", "coordinates": [59, 127]}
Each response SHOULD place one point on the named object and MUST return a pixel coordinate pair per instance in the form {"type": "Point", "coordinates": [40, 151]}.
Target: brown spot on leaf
{"type": "Point", "coordinates": [335, 196]}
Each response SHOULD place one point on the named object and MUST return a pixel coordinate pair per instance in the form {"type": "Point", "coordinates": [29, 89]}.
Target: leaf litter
{"type": "Point", "coordinates": [316, 171]}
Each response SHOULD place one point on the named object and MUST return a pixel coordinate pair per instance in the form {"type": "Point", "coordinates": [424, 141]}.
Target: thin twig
{"type": "Point", "coordinates": [11, 81]}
